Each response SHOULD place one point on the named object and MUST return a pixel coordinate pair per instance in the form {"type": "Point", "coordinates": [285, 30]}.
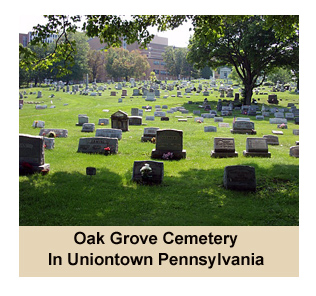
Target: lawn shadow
{"type": "Point", "coordinates": [194, 197]}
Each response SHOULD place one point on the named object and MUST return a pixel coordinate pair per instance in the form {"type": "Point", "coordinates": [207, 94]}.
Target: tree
{"type": "Point", "coordinates": [96, 62]}
{"type": "Point", "coordinates": [176, 62]}
{"type": "Point", "coordinates": [208, 29]}
{"type": "Point", "coordinates": [249, 44]}
{"type": "Point", "coordinates": [122, 63]}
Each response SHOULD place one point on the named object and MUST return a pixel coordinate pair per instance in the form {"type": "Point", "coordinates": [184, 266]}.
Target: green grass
{"type": "Point", "coordinates": [192, 191]}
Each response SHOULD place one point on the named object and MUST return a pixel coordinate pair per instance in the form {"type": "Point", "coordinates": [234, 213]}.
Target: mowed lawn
{"type": "Point", "coordinates": [192, 191]}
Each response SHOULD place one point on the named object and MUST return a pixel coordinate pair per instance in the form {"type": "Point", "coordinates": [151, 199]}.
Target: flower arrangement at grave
{"type": "Point", "coordinates": [167, 156]}
{"type": "Point", "coordinates": [282, 126]}
{"type": "Point", "coordinates": [153, 140]}
{"type": "Point", "coordinates": [35, 124]}
{"type": "Point", "coordinates": [102, 123]}
{"type": "Point", "coordinates": [51, 134]}
{"type": "Point", "coordinates": [145, 172]}
{"type": "Point", "coordinates": [107, 150]}
{"type": "Point", "coordinates": [199, 121]}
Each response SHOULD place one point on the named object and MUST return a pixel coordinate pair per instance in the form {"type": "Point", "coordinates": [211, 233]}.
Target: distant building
{"type": "Point", "coordinates": [153, 52]}
{"type": "Point", "coordinates": [24, 39]}
{"type": "Point", "coordinates": [224, 72]}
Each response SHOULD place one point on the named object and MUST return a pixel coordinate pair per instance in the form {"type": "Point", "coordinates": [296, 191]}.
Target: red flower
{"type": "Point", "coordinates": [107, 149]}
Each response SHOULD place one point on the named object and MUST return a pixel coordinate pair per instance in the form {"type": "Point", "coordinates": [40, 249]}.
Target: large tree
{"type": "Point", "coordinates": [249, 44]}
{"type": "Point", "coordinates": [207, 30]}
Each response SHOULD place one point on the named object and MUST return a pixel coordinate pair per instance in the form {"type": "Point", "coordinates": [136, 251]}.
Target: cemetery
{"type": "Point", "coordinates": [163, 158]}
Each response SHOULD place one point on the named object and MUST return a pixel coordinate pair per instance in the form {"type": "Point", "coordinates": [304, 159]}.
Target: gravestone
{"type": "Point", "coordinates": [223, 124]}
{"type": "Point", "coordinates": [124, 92]}
{"type": "Point", "coordinates": [150, 96]}
{"type": "Point", "coordinates": [218, 119]}
{"type": "Point", "coordinates": [60, 133]}
{"type": "Point", "coordinates": [49, 143]}
{"type": "Point", "coordinates": [159, 113]}
{"type": "Point", "coordinates": [296, 132]}
{"type": "Point", "coordinates": [256, 147]}
{"type": "Point", "coordinates": [82, 119]}
{"type": "Point", "coordinates": [119, 120]}
{"type": "Point", "coordinates": [103, 121]}
{"type": "Point", "coordinates": [109, 133]}
{"type": "Point", "coordinates": [273, 99]}
{"type": "Point", "coordinates": [210, 128]}
{"type": "Point", "coordinates": [99, 145]}
{"type": "Point", "coordinates": [149, 133]}
{"type": "Point", "coordinates": [240, 177]}
{"type": "Point", "coordinates": [135, 92]}
{"type": "Point", "coordinates": [155, 174]}
{"type": "Point", "coordinates": [151, 118]}
{"type": "Point", "coordinates": [271, 140]}
{"type": "Point", "coordinates": [134, 111]}
{"type": "Point", "coordinates": [32, 155]}
{"type": "Point", "coordinates": [277, 120]}
{"type": "Point", "coordinates": [169, 144]}
{"type": "Point", "coordinates": [243, 127]}
{"type": "Point", "coordinates": [294, 151]}
{"type": "Point", "coordinates": [88, 128]}
{"type": "Point", "coordinates": [38, 123]}
{"type": "Point", "coordinates": [135, 120]}
{"type": "Point", "coordinates": [224, 147]}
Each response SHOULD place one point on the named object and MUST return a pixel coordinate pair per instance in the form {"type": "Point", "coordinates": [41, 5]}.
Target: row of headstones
{"type": "Point", "coordinates": [237, 177]}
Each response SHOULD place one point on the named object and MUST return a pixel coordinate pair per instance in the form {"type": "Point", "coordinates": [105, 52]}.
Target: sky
{"type": "Point", "coordinates": [178, 37]}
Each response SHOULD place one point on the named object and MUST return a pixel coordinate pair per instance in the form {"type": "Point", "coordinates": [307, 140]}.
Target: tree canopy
{"type": "Point", "coordinates": [262, 41]}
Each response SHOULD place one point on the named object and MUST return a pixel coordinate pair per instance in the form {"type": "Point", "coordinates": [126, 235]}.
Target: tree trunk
{"type": "Point", "coordinates": [247, 94]}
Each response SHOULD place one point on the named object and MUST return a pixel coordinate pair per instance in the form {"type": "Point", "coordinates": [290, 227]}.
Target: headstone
{"type": "Point", "coordinates": [224, 147]}
{"type": "Point", "coordinates": [49, 143]}
{"type": "Point", "coordinates": [100, 145]}
{"type": "Point", "coordinates": [103, 121]}
{"type": "Point", "coordinates": [88, 128]}
{"type": "Point", "coordinates": [296, 132]}
{"type": "Point", "coordinates": [124, 92]}
{"type": "Point", "coordinates": [277, 120]}
{"type": "Point", "coordinates": [148, 172]}
{"type": "Point", "coordinates": [32, 155]}
{"type": "Point", "coordinates": [240, 177]}
{"type": "Point", "coordinates": [294, 151]}
{"type": "Point", "coordinates": [257, 147]}
{"type": "Point", "coordinates": [169, 145]}
{"type": "Point", "coordinates": [271, 140]}
{"type": "Point", "coordinates": [38, 123]}
{"type": "Point", "coordinates": [135, 120]}
{"type": "Point", "coordinates": [109, 133]}
{"type": "Point", "coordinates": [151, 118]}
{"type": "Point", "coordinates": [159, 114]}
{"type": "Point", "coordinates": [135, 92]}
{"type": "Point", "coordinates": [218, 119]}
{"type": "Point", "coordinates": [82, 119]}
{"type": "Point", "coordinates": [59, 133]}
{"type": "Point", "coordinates": [243, 127]}
{"type": "Point", "coordinates": [223, 124]}
{"type": "Point", "coordinates": [119, 120]}
{"type": "Point", "coordinates": [149, 133]}
{"type": "Point", "coordinates": [134, 111]}
{"type": "Point", "coordinates": [289, 116]}
{"type": "Point", "coordinates": [210, 128]}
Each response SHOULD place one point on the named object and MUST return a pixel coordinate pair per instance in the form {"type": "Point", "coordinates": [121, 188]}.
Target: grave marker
{"type": "Point", "coordinates": [99, 145]}
{"type": "Point", "coordinates": [257, 147]}
{"type": "Point", "coordinates": [224, 147]}
{"type": "Point", "coordinates": [240, 177]}
{"type": "Point", "coordinates": [169, 145]}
